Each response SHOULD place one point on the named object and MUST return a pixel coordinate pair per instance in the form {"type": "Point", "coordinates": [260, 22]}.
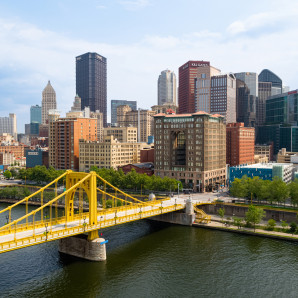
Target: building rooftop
{"type": "Point", "coordinates": [188, 115]}
{"type": "Point", "coordinates": [263, 165]}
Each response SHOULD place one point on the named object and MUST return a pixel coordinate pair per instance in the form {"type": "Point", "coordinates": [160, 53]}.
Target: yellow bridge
{"type": "Point", "coordinates": [44, 223]}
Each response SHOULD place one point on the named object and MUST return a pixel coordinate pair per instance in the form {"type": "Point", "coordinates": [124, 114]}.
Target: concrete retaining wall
{"type": "Point", "coordinates": [239, 211]}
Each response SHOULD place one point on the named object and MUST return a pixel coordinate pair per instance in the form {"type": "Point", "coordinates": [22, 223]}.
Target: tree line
{"type": "Point", "coordinates": [131, 180]}
{"type": "Point", "coordinates": [136, 181]}
{"type": "Point", "coordinates": [275, 191]}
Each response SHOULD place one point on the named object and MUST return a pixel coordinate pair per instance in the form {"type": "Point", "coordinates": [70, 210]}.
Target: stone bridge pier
{"type": "Point", "coordinates": [185, 218]}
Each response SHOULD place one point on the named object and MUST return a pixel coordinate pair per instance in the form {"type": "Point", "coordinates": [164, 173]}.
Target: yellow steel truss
{"type": "Point", "coordinates": [201, 216]}
{"type": "Point", "coordinates": [28, 230]}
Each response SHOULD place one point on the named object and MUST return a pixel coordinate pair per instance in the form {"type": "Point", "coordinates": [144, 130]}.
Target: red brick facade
{"type": "Point", "coordinates": [147, 155]}
{"type": "Point", "coordinates": [240, 144]}
{"type": "Point", "coordinates": [140, 170]}
{"type": "Point", "coordinates": [186, 91]}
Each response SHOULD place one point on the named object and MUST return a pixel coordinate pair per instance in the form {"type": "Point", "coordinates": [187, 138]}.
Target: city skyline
{"type": "Point", "coordinates": [42, 45]}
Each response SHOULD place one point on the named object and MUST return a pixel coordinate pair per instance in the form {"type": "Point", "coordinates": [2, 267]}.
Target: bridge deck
{"type": "Point", "coordinates": [29, 235]}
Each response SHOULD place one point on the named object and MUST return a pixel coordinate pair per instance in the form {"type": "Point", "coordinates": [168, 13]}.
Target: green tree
{"type": "Point", "coordinates": [237, 222]}
{"type": "Point", "coordinates": [239, 187]}
{"type": "Point", "coordinates": [221, 213]}
{"type": "Point", "coordinates": [254, 187]}
{"type": "Point", "coordinates": [284, 224]}
{"type": "Point", "coordinates": [14, 172]}
{"type": "Point", "coordinates": [7, 174]}
{"type": "Point", "coordinates": [293, 188]}
{"type": "Point", "coordinates": [109, 204]}
{"type": "Point", "coordinates": [254, 215]}
{"type": "Point", "coordinates": [26, 192]}
{"type": "Point", "coordinates": [279, 191]}
{"type": "Point", "coordinates": [293, 227]}
{"type": "Point", "coordinates": [264, 193]}
{"type": "Point", "coordinates": [271, 224]}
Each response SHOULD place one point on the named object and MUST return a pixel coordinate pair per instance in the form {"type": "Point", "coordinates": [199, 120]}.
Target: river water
{"type": "Point", "coordinates": [150, 259]}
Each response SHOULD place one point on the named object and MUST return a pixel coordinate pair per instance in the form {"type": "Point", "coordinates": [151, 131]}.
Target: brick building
{"type": "Point", "coordinates": [240, 144]}
{"type": "Point", "coordinates": [141, 168]}
{"type": "Point", "coordinates": [188, 72]}
{"type": "Point", "coordinates": [65, 134]}
{"type": "Point", "coordinates": [17, 150]}
{"type": "Point", "coordinates": [191, 148]}
{"type": "Point", "coordinates": [147, 155]}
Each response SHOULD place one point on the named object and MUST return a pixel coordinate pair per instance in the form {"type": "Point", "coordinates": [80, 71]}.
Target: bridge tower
{"type": "Point", "coordinates": [88, 248]}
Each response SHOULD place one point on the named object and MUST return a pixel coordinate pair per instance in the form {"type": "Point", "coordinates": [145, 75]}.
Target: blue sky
{"type": "Point", "coordinates": [40, 39]}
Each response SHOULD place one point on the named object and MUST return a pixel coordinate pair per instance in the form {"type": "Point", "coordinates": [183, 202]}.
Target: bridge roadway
{"type": "Point", "coordinates": [110, 217]}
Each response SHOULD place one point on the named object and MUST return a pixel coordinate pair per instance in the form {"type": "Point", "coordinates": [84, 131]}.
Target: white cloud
{"type": "Point", "coordinates": [264, 20]}
{"type": "Point", "coordinates": [253, 22]}
{"type": "Point", "coordinates": [29, 57]}
{"type": "Point", "coordinates": [134, 4]}
{"type": "Point", "coordinates": [160, 42]}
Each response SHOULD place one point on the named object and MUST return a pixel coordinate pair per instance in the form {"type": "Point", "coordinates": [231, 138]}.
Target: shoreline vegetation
{"type": "Point", "coordinates": [252, 224]}
{"type": "Point", "coordinates": [215, 225]}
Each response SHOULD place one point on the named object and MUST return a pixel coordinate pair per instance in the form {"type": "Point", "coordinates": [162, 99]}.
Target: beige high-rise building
{"type": "Point", "coordinates": [122, 134]}
{"type": "Point", "coordinates": [165, 108]}
{"type": "Point", "coordinates": [99, 116]}
{"type": "Point", "coordinates": [142, 119]}
{"type": "Point", "coordinates": [223, 97]}
{"type": "Point", "coordinates": [48, 102]}
{"type": "Point", "coordinates": [203, 87]}
{"type": "Point", "coordinates": [192, 149]}
{"type": "Point", "coordinates": [9, 125]}
{"type": "Point", "coordinates": [108, 154]}
{"type": "Point", "coordinates": [265, 89]}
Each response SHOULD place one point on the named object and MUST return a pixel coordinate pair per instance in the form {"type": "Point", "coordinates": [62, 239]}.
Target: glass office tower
{"type": "Point", "coordinates": [91, 82]}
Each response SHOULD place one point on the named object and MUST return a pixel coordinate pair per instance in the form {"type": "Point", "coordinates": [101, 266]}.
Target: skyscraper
{"type": "Point", "coordinates": [91, 82]}
{"type": "Point", "coordinates": [203, 87]}
{"type": "Point", "coordinates": [267, 75]}
{"type": "Point", "coordinates": [246, 97]}
{"type": "Point", "coordinates": [265, 89]}
{"type": "Point", "coordinates": [9, 125]}
{"type": "Point", "coordinates": [166, 86]}
{"type": "Point", "coordinates": [116, 103]}
{"type": "Point", "coordinates": [48, 102]}
{"type": "Point", "coordinates": [35, 114]}
{"type": "Point", "coordinates": [269, 84]}
{"type": "Point", "coordinates": [223, 97]}
{"type": "Point", "coordinates": [186, 93]}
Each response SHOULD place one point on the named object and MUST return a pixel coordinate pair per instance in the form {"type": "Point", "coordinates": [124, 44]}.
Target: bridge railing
{"type": "Point", "coordinates": [26, 199]}
{"type": "Point", "coordinates": [13, 225]}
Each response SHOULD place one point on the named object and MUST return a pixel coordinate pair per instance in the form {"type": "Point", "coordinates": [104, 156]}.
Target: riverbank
{"type": "Point", "coordinates": [215, 225]}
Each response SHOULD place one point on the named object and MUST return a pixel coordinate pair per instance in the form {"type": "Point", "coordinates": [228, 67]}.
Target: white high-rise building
{"type": "Point", "coordinates": [9, 125]}
{"type": "Point", "coordinates": [48, 102]}
{"type": "Point", "coordinates": [167, 87]}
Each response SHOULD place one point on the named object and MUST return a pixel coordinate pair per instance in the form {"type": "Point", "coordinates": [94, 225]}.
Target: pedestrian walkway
{"type": "Point", "coordinates": [217, 224]}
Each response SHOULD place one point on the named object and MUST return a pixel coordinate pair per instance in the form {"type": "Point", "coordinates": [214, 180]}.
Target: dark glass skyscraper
{"type": "Point", "coordinates": [91, 82]}
{"type": "Point", "coordinates": [267, 75]}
